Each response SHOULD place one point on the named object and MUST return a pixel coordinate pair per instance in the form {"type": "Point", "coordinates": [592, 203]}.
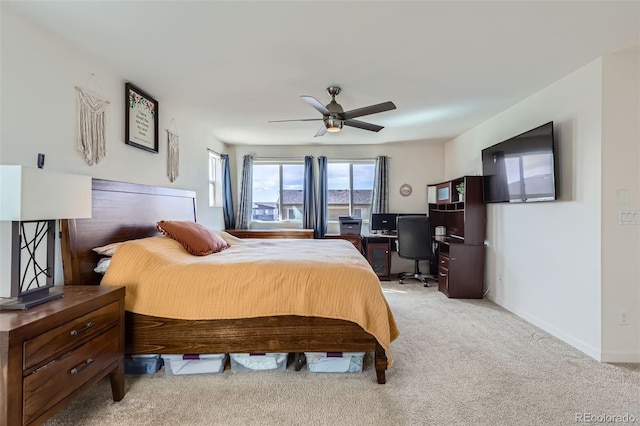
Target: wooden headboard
{"type": "Point", "coordinates": [120, 211]}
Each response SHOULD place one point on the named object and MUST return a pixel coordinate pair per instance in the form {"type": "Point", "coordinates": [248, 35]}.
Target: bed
{"type": "Point", "coordinates": [124, 211]}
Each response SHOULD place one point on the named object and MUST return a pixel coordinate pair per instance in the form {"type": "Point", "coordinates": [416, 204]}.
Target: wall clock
{"type": "Point", "coordinates": [405, 190]}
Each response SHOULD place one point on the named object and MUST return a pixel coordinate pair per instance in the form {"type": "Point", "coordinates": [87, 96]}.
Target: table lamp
{"type": "Point", "coordinates": [32, 200]}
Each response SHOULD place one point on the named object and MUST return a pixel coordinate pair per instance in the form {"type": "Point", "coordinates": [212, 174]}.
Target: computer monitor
{"type": "Point", "coordinates": [383, 222]}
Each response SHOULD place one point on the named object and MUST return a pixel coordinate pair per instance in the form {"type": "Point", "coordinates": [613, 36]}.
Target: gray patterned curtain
{"type": "Point", "coordinates": [227, 196]}
{"type": "Point", "coordinates": [323, 207]}
{"type": "Point", "coordinates": [308, 195]}
{"type": "Point", "coordinates": [244, 205]}
{"type": "Point", "coordinates": [380, 201]}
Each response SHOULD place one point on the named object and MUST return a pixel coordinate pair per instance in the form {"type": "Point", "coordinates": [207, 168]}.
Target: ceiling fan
{"type": "Point", "coordinates": [335, 117]}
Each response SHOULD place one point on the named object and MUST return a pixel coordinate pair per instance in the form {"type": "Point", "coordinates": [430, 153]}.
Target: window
{"type": "Point", "coordinates": [350, 189]}
{"type": "Point", "coordinates": [215, 179]}
{"type": "Point", "coordinates": [277, 191]}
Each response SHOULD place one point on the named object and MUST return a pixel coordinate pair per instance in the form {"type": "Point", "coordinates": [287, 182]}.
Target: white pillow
{"type": "Point", "coordinates": [103, 264]}
{"type": "Point", "coordinates": [107, 250]}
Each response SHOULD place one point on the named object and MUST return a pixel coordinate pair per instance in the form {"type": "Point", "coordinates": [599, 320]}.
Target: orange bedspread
{"type": "Point", "coordinates": [253, 278]}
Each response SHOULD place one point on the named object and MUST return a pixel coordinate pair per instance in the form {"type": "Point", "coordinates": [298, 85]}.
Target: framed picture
{"type": "Point", "coordinates": [141, 119]}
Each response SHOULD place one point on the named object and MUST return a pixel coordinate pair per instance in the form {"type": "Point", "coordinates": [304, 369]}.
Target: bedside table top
{"type": "Point", "coordinates": [75, 297]}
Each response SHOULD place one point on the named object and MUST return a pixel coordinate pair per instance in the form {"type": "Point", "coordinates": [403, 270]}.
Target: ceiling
{"type": "Point", "coordinates": [447, 66]}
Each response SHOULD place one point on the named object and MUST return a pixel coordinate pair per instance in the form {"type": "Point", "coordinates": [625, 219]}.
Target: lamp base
{"type": "Point", "coordinates": [26, 302]}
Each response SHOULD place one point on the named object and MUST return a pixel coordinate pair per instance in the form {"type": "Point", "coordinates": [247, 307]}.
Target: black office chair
{"type": "Point", "coordinates": [414, 242]}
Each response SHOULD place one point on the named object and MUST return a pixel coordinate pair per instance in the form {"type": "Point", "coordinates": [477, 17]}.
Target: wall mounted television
{"type": "Point", "coordinates": [521, 169]}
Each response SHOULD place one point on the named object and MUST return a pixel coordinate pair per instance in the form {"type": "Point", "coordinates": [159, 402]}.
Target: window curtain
{"type": "Point", "coordinates": [227, 196]}
{"type": "Point", "coordinates": [322, 219]}
{"type": "Point", "coordinates": [380, 201]}
{"type": "Point", "coordinates": [308, 195]}
{"type": "Point", "coordinates": [244, 206]}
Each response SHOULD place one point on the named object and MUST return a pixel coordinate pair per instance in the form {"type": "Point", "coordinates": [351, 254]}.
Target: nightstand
{"type": "Point", "coordinates": [51, 353]}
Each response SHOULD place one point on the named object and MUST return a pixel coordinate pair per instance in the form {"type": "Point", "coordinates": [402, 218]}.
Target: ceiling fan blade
{"type": "Point", "coordinates": [371, 109]}
{"type": "Point", "coordinates": [321, 131]}
{"type": "Point", "coordinates": [300, 119]}
{"type": "Point", "coordinates": [362, 125]}
{"type": "Point", "coordinates": [316, 104]}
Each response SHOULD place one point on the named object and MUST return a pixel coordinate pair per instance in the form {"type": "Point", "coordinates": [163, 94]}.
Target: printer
{"type": "Point", "coordinates": [350, 225]}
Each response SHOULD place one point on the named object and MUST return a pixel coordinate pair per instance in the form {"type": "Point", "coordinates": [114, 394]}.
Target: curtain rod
{"type": "Point", "coordinates": [354, 159]}
{"type": "Point", "coordinates": [217, 153]}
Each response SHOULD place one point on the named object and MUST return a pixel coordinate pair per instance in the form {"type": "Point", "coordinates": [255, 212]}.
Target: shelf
{"type": "Point", "coordinates": [460, 266]}
{"type": "Point", "coordinates": [448, 240]}
{"type": "Point", "coordinates": [453, 207]}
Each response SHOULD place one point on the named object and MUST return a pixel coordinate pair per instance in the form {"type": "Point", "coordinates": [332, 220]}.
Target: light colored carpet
{"type": "Point", "coordinates": [457, 362]}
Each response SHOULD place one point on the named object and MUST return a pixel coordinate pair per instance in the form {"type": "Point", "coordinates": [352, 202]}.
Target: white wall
{"type": "Point", "coordinates": [38, 75]}
{"type": "Point", "coordinates": [620, 172]}
{"type": "Point", "coordinates": [545, 261]}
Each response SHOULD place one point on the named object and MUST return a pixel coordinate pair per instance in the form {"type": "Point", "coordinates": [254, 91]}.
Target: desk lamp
{"type": "Point", "coordinates": [32, 200]}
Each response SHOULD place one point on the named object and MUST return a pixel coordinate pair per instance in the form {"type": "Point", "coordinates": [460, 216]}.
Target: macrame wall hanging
{"type": "Point", "coordinates": [173, 156]}
{"type": "Point", "coordinates": [92, 111]}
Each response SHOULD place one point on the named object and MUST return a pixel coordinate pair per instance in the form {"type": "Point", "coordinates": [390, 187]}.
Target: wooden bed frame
{"type": "Point", "coordinates": [124, 211]}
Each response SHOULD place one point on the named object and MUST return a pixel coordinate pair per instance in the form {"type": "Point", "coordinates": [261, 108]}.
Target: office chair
{"type": "Point", "coordinates": [414, 242]}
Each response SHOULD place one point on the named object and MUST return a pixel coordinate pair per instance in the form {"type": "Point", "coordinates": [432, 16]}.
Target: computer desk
{"type": "Point", "coordinates": [355, 239]}
{"type": "Point", "coordinates": [377, 249]}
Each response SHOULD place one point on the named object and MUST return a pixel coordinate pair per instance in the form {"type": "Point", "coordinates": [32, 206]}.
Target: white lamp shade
{"type": "Point", "coordinates": [27, 193]}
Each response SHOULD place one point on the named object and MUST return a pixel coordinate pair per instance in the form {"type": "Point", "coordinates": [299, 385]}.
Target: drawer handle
{"type": "Point", "coordinates": [443, 274]}
{"type": "Point", "coordinates": [83, 329]}
{"type": "Point", "coordinates": [81, 366]}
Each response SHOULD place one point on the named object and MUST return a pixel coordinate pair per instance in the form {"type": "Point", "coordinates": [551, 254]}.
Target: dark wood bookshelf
{"type": "Point", "coordinates": [460, 253]}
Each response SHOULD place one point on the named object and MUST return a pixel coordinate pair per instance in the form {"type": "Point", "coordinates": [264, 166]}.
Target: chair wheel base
{"type": "Point", "coordinates": [405, 276]}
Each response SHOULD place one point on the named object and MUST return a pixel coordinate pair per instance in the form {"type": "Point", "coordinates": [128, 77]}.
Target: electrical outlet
{"type": "Point", "coordinates": [623, 317]}
{"type": "Point", "coordinates": [628, 217]}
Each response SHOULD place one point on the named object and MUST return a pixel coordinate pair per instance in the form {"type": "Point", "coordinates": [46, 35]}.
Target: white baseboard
{"type": "Point", "coordinates": [620, 357]}
{"type": "Point", "coordinates": [582, 346]}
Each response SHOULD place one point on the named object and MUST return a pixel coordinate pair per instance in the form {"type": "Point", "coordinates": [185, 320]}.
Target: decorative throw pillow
{"type": "Point", "coordinates": [107, 250]}
{"type": "Point", "coordinates": [195, 238]}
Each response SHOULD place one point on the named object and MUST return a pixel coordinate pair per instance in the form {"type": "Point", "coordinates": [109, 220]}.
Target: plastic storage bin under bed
{"type": "Point", "coordinates": [334, 362]}
{"type": "Point", "coordinates": [194, 364]}
{"type": "Point", "coordinates": [259, 361]}
{"type": "Point", "coordinates": [142, 364]}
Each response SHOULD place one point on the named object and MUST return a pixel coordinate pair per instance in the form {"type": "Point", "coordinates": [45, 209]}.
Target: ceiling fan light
{"type": "Point", "coordinates": [333, 124]}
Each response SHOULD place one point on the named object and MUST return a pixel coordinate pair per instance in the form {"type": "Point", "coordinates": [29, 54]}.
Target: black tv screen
{"type": "Point", "coordinates": [521, 169]}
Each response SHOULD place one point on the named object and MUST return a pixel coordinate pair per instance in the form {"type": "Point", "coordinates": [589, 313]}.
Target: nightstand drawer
{"type": "Point", "coordinates": [54, 381]}
{"type": "Point", "coordinates": [64, 337]}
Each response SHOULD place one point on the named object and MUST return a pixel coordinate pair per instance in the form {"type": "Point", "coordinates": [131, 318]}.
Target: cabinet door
{"type": "Point", "coordinates": [378, 256]}
{"type": "Point", "coordinates": [466, 271]}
